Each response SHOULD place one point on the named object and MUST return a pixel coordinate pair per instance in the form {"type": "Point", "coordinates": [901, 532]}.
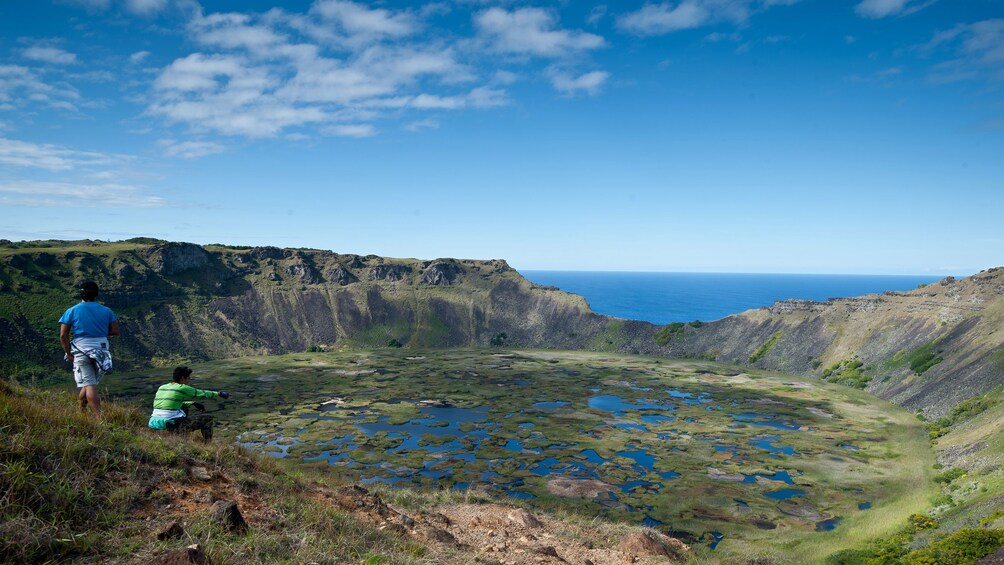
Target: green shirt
{"type": "Point", "coordinates": [174, 396]}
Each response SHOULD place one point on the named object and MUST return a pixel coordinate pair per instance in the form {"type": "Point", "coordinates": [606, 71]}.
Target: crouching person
{"type": "Point", "coordinates": [173, 401]}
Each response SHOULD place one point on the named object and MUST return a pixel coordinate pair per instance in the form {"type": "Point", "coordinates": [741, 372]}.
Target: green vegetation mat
{"type": "Point", "coordinates": [768, 464]}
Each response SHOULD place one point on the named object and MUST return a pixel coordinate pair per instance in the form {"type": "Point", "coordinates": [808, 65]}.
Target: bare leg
{"type": "Point", "coordinates": [89, 399]}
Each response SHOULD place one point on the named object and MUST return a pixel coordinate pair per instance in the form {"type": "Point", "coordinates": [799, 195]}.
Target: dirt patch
{"type": "Point", "coordinates": [587, 488]}
{"type": "Point", "coordinates": [513, 536]}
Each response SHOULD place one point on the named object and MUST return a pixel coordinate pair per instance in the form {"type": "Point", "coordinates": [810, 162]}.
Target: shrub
{"type": "Point", "coordinates": [922, 522]}
{"type": "Point", "coordinates": [849, 372]}
{"type": "Point", "coordinates": [949, 476]}
{"type": "Point", "coordinates": [965, 546]}
{"type": "Point", "coordinates": [663, 336]}
{"type": "Point", "coordinates": [766, 347]}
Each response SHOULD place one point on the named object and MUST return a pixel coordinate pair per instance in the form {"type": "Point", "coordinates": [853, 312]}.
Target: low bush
{"type": "Point", "coordinates": [964, 547]}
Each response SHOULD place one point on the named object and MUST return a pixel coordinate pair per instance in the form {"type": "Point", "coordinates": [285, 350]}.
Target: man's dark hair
{"type": "Point", "coordinates": [180, 373]}
{"type": "Point", "coordinates": [88, 290]}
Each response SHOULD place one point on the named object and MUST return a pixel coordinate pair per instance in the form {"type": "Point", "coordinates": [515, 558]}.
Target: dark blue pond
{"type": "Point", "coordinates": [784, 494]}
{"type": "Point", "coordinates": [827, 525]}
{"type": "Point", "coordinates": [618, 405]}
{"type": "Point", "coordinates": [763, 421]}
{"type": "Point", "coordinates": [766, 443]}
{"type": "Point", "coordinates": [550, 405]}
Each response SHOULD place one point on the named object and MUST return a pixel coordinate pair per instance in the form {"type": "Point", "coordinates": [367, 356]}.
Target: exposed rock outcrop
{"type": "Point", "coordinates": [390, 273]}
{"type": "Point", "coordinates": [174, 258]}
{"type": "Point", "coordinates": [441, 273]}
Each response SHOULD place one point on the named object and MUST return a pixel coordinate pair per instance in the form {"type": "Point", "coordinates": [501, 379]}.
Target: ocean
{"type": "Point", "coordinates": [662, 298]}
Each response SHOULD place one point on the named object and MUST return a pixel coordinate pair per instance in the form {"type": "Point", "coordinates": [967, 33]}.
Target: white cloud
{"type": "Point", "coordinates": [531, 31]}
{"type": "Point", "coordinates": [596, 14]}
{"type": "Point", "coordinates": [49, 157]}
{"type": "Point", "coordinates": [138, 57]}
{"type": "Point", "coordinates": [22, 87]}
{"type": "Point", "coordinates": [358, 20]}
{"type": "Point", "coordinates": [199, 72]}
{"type": "Point", "coordinates": [76, 195]}
{"type": "Point", "coordinates": [342, 65]}
{"type": "Point", "coordinates": [146, 7]}
{"type": "Point", "coordinates": [191, 149]}
{"type": "Point", "coordinates": [46, 54]}
{"type": "Point", "coordinates": [667, 17]}
{"type": "Point", "coordinates": [883, 8]}
{"type": "Point", "coordinates": [482, 97]}
{"type": "Point", "coordinates": [350, 130]}
{"type": "Point", "coordinates": [977, 50]}
{"type": "Point", "coordinates": [654, 19]}
{"type": "Point", "coordinates": [233, 31]}
{"type": "Point", "coordinates": [422, 124]}
{"type": "Point", "coordinates": [505, 77]}
{"type": "Point", "coordinates": [589, 83]}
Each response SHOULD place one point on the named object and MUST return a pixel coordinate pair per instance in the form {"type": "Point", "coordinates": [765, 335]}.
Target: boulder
{"type": "Point", "coordinates": [438, 535]}
{"type": "Point", "coordinates": [226, 513]}
{"type": "Point", "coordinates": [523, 518]}
{"type": "Point", "coordinates": [358, 499]}
{"type": "Point", "coordinates": [173, 530]}
{"type": "Point", "coordinates": [191, 554]}
{"type": "Point", "coordinates": [641, 544]}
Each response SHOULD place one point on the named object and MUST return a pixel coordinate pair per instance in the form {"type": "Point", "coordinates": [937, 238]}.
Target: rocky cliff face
{"type": "Point", "coordinates": [179, 300]}
{"type": "Point", "coordinates": [926, 349]}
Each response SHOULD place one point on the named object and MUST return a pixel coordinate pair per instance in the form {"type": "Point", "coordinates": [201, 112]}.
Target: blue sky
{"type": "Point", "coordinates": [689, 135]}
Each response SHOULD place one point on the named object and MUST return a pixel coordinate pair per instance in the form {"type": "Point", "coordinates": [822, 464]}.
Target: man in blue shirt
{"type": "Point", "coordinates": [91, 324]}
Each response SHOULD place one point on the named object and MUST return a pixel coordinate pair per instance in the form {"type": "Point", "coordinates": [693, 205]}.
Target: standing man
{"type": "Point", "coordinates": [91, 325]}
{"type": "Point", "coordinates": [172, 403]}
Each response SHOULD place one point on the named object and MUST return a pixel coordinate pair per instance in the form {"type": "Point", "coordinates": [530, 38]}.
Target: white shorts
{"type": "Point", "coordinates": [85, 373]}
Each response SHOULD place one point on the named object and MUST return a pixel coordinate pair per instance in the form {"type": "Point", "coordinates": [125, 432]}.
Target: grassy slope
{"type": "Point", "coordinates": [72, 489]}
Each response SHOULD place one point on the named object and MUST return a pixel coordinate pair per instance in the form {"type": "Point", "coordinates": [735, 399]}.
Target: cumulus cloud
{"type": "Point", "coordinates": [532, 31]}
{"type": "Point", "coordinates": [358, 20]}
{"type": "Point", "coordinates": [667, 17]}
{"type": "Point", "coordinates": [342, 66]}
{"type": "Point", "coordinates": [53, 55]}
{"type": "Point", "coordinates": [257, 77]}
{"type": "Point", "coordinates": [883, 8]}
{"type": "Point", "coordinates": [77, 195]}
{"type": "Point", "coordinates": [589, 83]}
